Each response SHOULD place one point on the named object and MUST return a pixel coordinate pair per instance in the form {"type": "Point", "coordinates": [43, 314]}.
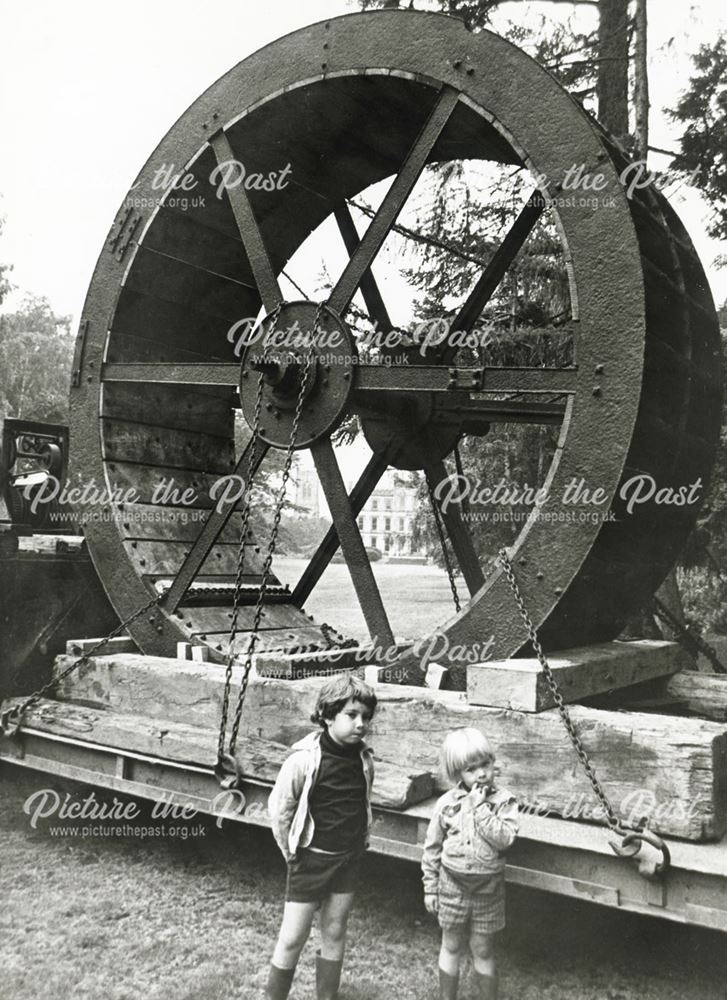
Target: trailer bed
{"type": "Point", "coordinates": [556, 855]}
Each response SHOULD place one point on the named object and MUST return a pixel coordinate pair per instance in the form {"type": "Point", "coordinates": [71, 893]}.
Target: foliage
{"type": "Point", "coordinates": [5, 269]}
{"type": "Point", "coordinates": [707, 548]}
{"type": "Point", "coordinates": [36, 349]}
{"type": "Point", "coordinates": [702, 109]}
{"type": "Point", "coordinates": [300, 534]}
{"type": "Point", "coordinates": [704, 598]}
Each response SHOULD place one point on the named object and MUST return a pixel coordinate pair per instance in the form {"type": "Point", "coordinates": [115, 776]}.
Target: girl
{"type": "Point", "coordinates": [462, 864]}
{"type": "Point", "coordinates": [321, 817]}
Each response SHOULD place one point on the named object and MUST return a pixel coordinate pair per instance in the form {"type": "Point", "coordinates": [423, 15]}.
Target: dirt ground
{"type": "Point", "coordinates": [162, 917]}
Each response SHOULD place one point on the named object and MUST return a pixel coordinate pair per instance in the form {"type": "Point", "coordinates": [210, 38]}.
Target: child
{"type": "Point", "coordinates": [462, 864]}
{"type": "Point", "coordinates": [321, 818]}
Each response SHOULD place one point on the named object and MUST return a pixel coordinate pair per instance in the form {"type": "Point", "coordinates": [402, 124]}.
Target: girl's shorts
{"type": "Point", "coordinates": [483, 911]}
{"type": "Point", "coordinates": [313, 876]}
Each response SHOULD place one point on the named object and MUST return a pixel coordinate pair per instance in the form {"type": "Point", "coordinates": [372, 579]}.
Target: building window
{"type": "Point", "coordinates": [401, 524]}
{"type": "Point", "coordinates": [387, 524]}
{"type": "Point", "coordinates": [374, 504]}
{"type": "Point", "coordinates": [375, 542]}
{"type": "Point", "coordinates": [361, 523]}
{"type": "Point", "coordinates": [374, 523]}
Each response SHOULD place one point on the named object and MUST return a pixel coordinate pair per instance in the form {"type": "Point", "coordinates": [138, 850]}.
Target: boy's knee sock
{"type": "Point", "coordinates": [447, 985]}
{"type": "Point", "coordinates": [328, 977]}
{"type": "Point", "coordinates": [486, 986]}
{"type": "Point", "coordinates": [279, 982]}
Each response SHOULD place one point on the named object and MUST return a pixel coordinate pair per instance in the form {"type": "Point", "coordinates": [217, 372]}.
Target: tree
{"type": "Point", "coordinates": [613, 67]}
{"type": "Point", "coordinates": [5, 269]}
{"type": "Point", "coordinates": [702, 109]}
{"type": "Point", "coordinates": [36, 348]}
{"type": "Point", "coordinates": [641, 84]}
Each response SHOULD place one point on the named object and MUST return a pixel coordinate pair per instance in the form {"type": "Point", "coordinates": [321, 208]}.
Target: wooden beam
{"type": "Point", "coordinates": [703, 694]}
{"type": "Point", "coordinates": [580, 673]}
{"type": "Point", "coordinates": [119, 644]}
{"type": "Point", "coordinates": [670, 768]}
{"type": "Point", "coordinates": [395, 787]}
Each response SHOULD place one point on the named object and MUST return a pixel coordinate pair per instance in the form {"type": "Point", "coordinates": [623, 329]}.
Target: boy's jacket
{"type": "Point", "coordinates": [288, 803]}
{"type": "Point", "coordinates": [468, 839]}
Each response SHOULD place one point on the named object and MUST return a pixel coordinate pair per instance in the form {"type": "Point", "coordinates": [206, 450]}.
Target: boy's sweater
{"type": "Point", "coordinates": [338, 799]}
{"type": "Point", "coordinates": [467, 834]}
{"type": "Point", "coordinates": [289, 802]}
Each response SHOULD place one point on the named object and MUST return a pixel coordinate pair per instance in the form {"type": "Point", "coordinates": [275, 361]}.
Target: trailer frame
{"type": "Point", "coordinates": [550, 854]}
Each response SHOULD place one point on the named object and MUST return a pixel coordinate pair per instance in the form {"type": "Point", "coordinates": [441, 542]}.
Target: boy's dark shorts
{"type": "Point", "coordinates": [313, 876]}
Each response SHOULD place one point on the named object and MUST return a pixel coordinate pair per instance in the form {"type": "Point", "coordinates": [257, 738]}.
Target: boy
{"type": "Point", "coordinates": [320, 808]}
{"type": "Point", "coordinates": [462, 863]}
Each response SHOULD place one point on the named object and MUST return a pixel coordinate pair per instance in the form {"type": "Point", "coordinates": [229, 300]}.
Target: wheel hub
{"type": "Point", "coordinates": [277, 353]}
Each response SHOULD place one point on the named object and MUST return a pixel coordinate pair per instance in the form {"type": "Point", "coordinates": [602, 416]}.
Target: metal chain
{"type": "Point", "coordinates": [689, 636]}
{"type": "Point", "coordinates": [443, 543]}
{"type": "Point", "coordinates": [14, 716]}
{"type": "Point", "coordinates": [460, 473]}
{"type": "Point", "coordinates": [245, 521]}
{"type": "Point", "coordinates": [247, 667]}
{"type": "Point", "coordinates": [612, 820]}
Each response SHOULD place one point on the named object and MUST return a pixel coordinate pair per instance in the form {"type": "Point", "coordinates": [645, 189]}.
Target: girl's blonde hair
{"type": "Point", "coordinates": [461, 749]}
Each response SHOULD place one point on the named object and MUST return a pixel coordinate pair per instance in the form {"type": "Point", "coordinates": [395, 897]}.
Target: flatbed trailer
{"type": "Point", "coordinates": [556, 855]}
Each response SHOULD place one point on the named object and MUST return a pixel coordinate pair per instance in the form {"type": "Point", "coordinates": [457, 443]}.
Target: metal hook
{"type": "Point", "coordinates": [10, 721]}
{"type": "Point", "coordinates": [631, 846]}
{"type": "Point", "coordinates": [228, 772]}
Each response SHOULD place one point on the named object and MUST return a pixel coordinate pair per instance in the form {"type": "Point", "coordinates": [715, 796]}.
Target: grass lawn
{"type": "Point", "coordinates": [125, 918]}
{"type": "Point", "coordinates": [416, 598]}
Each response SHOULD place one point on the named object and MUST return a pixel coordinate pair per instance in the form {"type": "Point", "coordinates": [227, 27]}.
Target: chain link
{"type": "Point", "coordinates": [443, 542]}
{"type": "Point", "coordinates": [689, 636]}
{"type": "Point", "coordinates": [15, 715]}
{"type": "Point", "coordinates": [280, 498]}
{"type": "Point", "coordinates": [244, 525]}
{"type": "Point", "coordinates": [612, 820]}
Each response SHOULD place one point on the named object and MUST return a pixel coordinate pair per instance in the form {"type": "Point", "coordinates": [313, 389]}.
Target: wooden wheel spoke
{"type": "Point", "coordinates": [324, 553]}
{"type": "Point", "coordinates": [257, 255]}
{"type": "Point", "coordinates": [459, 533]}
{"type": "Point", "coordinates": [397, 194]}
{"type": "Point", "coordinates": [218, 518]}
{"type": "Point", "coordinates": [487, 283]}
{"type": "Point", "coordinates": [351, 543]}
{"type": "Point", "coordinates": [369, 289]}
{"type": "Point", "coordinates": [173, 372]}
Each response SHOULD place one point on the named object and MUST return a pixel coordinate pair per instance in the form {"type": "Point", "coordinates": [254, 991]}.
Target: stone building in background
{"type": "Point", "coordinates": [386, 522]}
{"type": "Point", "coordinates": [307, 491]}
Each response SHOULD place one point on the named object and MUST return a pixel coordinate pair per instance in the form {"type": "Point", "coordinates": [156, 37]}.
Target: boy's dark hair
{"type": "Point", "coordinates": [337, 691]}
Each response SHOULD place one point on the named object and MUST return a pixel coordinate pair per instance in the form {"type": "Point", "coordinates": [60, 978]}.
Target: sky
{"type": "Point", "coordinates": [87, 89]}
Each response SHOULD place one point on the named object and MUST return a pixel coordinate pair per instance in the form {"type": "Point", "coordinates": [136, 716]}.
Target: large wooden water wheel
{"type": "Point", "coordinates": [348, 103]}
